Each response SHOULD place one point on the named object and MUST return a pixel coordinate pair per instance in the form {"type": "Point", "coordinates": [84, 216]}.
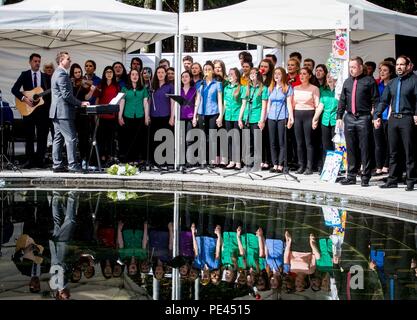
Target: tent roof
{"type": "Point", "coordinates": [265, 22]}
{"type": "Point", "coordinates": [105, 24]}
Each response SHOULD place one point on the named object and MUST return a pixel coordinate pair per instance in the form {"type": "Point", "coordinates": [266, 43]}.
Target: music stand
{"type": "Point", "coordinates": [184, 102]}
{"type": "Point", "coordinates": [286, 170]}
{"type": "Point", "coordinates": [3, 157]}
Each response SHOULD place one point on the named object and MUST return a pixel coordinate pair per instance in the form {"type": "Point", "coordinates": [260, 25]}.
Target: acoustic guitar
{"type": "Point", "coordinates": [36, 95]}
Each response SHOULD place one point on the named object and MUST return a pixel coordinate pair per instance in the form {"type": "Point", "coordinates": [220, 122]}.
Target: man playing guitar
{"type": "Point", "coordinates": [38, 119]}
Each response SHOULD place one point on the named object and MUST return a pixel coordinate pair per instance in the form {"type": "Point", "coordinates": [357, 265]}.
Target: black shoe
{"type": "Point", "coordinates": [300, 171]}
{"type": "Point", "coordinates": [347, 181]}
{"type": "Point", "coordinates": [59, 169]}
{"type": "Point", "coordinates": [410, 186]}
{"type": "Point", "coordinates": [389, 185]}
{"type": "Point", "coordinates": [365, 183]}
{"type": "Point", "coordinates": [76, 169]}
{"type": "Point", "coordinates": [308, 172]}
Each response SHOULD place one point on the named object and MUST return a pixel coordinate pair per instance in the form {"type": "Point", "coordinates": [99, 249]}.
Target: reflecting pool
{"type": "Point", "coordinates": [178, 246]}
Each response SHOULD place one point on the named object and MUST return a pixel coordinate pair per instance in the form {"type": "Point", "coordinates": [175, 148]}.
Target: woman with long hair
{"type": "Point", "coordinates": [279, 109]}
{"type": "Point", "coordinates": [386, 73]}
{"type": "Point", "coordinates": [266, 68]}
{"type": "Point", "coordinates": [121, 74]}
{"type": "Point", "coordinates": [188, 92]}
{"type": "Point", "coordinates": [133, 116]}
{"type": "Point", "coordinates": [208, 111]}
{"type": "Point", "coordinates": [232, 103]}
{"type": "Point", "coordinates": [327, 108]}
{"type": "Point", "coordinates": [306, 99]}
{"type": "Point", "coordinates": [252, 113]}
{"type": "Point", "coordinates": [83, 91]}
{"type": "Point", "coordinates": [220, 71]}
{"type": "Point", "coordinates": [107, 90]}
{"type": "Point", "coordinates": [197, 73]}
{"type": "Point", "coordinates": [162, 108]}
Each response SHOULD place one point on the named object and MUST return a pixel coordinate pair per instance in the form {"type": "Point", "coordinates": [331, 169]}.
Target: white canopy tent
{"type": "Point", "coordinates": [102, 30]}
{"type": "Point", "coordinates": [285, 24]}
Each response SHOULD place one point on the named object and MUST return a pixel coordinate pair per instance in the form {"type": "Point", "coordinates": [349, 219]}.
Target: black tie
{"type": "Point", "coordinates": [35, 80]}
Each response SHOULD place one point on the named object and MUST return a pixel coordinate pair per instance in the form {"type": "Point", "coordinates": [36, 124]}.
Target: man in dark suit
{"type": "Point", "coordinates": [62, 113]}
{"type": "Point", "coordinates": [38, 119]}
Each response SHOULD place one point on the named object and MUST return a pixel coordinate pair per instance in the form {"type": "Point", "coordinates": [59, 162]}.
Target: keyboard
{"type": "Point", "coordinates": [100, 109]}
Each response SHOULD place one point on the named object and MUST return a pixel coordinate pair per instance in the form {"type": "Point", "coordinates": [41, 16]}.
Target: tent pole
{"type": "Point", "coordinates": [283, 49]}
{"type": "Point", "coordinates": [200, 39]}
{"type": "Point", "coordinates": [259, 53]}
{"type": "Point", "coordinates": [158, 44]}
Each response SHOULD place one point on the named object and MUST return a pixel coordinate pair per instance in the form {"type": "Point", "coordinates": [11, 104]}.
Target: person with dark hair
{"type": "Point", "coordinates": [187, 62]}
{"type": "Point", "coordinates": [197, 73]}
{"type": "Point", "coordinates": [358, 98]}
{"type": "Point", "coordinates": [120, 73]}
{"type": "Point", "coordinates": [370, 68]}
{"type": "Point", "coordinates": [310, 63]}
{"type": "Point", "coordinates": [273, 58]}
{"type": "Point", "coordinates": [220, 71]}
{"type": "Point", "coordinates": [133, 117]}
{"type": "Point", "coordinates": [246, 68]}
{"type": "Point", "coordinates": [162, 108]}
{"type": "Point", "coordinates": [401, 95]}
{"type": "Point", "coordinates": [136, 63]}
{"type": "Point", "coordinates": [296, 55]}
{"type": "Point", "coordinates": [391, 60]}
{"type": "Point", "coordinates": [188, 92]}
{"type": "Point", "coordinates": [90, 69]}
{"type": "Point", "coordinates": [306, 100]}
{"type": "Point", "coordinates": [108, 89]}
{"type": "Point", "coordinates": [386, 73]}
{"type": "Point", "coordinates": [171, 75]}
{"type": "Point", "coordinates": [82, 91]}
{"type": "Point", "coordinates": [245, 56]}
{"type": "Point", "coordinates": [327, 110]}
{"type": "Point", "coordinates": [164, 63]}
{"type": "Point", "coordinates": [266, 68]}
{"type": "Point", "coordinates": [36, 124]}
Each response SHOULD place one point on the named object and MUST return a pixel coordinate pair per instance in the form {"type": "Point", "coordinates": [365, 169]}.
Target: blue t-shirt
{"type": "Point", "coordinates": [275, 253]}
{"type": "Point", "coordinates": [381, 88]}
{"type": "Point", "coordinates": [209, 104]}
{"type": "Point", "coordinates": [278, 109]}
{"type": "Point", "coordinates": [206, 253]}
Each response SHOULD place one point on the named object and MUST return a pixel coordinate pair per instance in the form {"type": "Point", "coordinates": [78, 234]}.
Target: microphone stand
{"type": "Point", "coordinates": [3, 157]}
{"type": "Point", "coordinates": [285, 172]}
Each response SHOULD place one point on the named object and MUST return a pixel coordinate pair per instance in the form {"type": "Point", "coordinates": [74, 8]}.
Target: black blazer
{"type": "Point", "coordinates": [25, 81]}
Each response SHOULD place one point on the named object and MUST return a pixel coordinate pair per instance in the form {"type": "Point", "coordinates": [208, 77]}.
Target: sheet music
{"type": "Point", "coordinates": [116, 99]}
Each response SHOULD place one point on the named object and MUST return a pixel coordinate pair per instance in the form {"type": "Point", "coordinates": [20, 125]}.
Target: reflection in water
{"type": "Point", "coordinates": [115, 245]}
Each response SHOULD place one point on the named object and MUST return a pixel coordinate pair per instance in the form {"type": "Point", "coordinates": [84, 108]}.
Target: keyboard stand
{"type": "Point", "coordinates": [94, 145]}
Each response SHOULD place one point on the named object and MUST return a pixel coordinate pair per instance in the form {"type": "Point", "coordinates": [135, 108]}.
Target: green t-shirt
{"type": "Point", "coordinates": [325, 263]}
{"type": "Point", "coordinates": [230, 248]}
{"type": "Point", "coordinates": [232, 103]}
{"type": "Point", "coordinates": [250, 244]}
{"type": "Point", "coordinates": [327, 97]}
{"type": "Point", "coordinates": [132, 245]}
{"type": "Point", "coordinates": [254, 110]}
{"type": "Point", "coordinates": [134, 107]}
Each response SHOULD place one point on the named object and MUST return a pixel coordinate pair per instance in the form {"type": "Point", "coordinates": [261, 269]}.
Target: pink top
{"type": "Point", "coordinates": [304, 262]}
{"type": "Point", "coordinates": [306, 98]}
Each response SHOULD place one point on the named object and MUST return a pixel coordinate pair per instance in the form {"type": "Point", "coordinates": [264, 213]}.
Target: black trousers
{"type": "Point", "coordinates": [266, 150]}
{"type": "Point", "coordinates": [156, 124]}
{"type": "Point", "coordinates": [230, 125]}
{"type": "Point", "coordinates": [401, 132]}
{"type": "Point", "coordinates": [84, 127]}
{"type": "Point", "coordinates": [206, 123]}
{"type": "Point", "coordinates": [304, 136]}
{"type": "Point", "coordinates": [133, 139]}
{"type": "Point", "coordinates": [327, 134]}
{"type": "Point", "coordinates": [358, 132]}
{"type": "Point", "coordinates": [381, 145]}
{"type": "Point", "coordinates": [36, 125]}
{"type": "Point", "coordinates": [277, 141]}
{"type": "Point", "coordinates": [106, 135]}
